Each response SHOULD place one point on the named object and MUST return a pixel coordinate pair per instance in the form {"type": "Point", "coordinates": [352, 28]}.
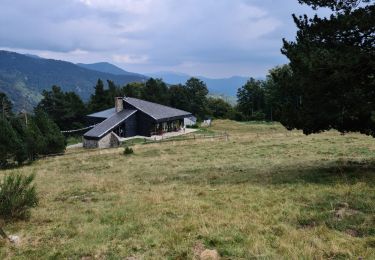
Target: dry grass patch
{"type": "Point", "coordinates": [266, 193]}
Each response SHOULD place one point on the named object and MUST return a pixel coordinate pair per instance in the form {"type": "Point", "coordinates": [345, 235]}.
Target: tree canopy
{"type": "Point", "coordinates": [22, 139]}
{"type": "Point", "coordinates": [155, 90]}
{"type": "Point", "coordinates": [98, 100]}
{"type": "Point", "coordinates": [332, 62]}
{"type": "Point", "coordinates": [197, 93]}
{"type": "Point", "coordinates": [251, 100]}
{"type": "Point", "coordinates": [5, 105]}
{"type": "Point", "coordinates": [66, 109]}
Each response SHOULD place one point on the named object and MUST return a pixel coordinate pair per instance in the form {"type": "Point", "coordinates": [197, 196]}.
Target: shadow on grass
{"type": "Point", "coordinates": [14, 166]}
{"type": "Point", "coordinates": [327, 173]}
{"type": "Point", "coordinates": [340, 171]}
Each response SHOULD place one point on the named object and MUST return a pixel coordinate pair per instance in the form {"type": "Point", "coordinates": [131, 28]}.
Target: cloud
{"type": "Point", "coordinates": [150, 35]}
{"type": "Point", "coordinates": [130, 59]}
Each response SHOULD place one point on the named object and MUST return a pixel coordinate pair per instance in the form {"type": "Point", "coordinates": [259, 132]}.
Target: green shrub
{"type": "Point", "coordinates": [193, 126]}
{"type": "Point", "coordinates": [128, 150]}
{"type": "Point", "coordinates": [17, 196]}
{"type": "Point", "coordinates": [258, 116]}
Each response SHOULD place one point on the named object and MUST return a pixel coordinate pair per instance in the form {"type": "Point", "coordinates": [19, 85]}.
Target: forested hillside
{"type": "Point", "coordinates": [23, 78]}
{"type": "Point", "coordinates": [107, 68]}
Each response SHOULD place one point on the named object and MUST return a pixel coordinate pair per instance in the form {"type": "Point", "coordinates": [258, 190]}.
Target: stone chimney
{"type": "Point", "coordinates": [119, 105]}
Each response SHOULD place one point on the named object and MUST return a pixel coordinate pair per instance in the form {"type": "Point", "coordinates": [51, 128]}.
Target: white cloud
{"type": "Point", "coordinates": [129, 6]}
{"type": "Point", "coordinates": [218, 37]}
{"type": "Point", "coordinates": [130, 59]}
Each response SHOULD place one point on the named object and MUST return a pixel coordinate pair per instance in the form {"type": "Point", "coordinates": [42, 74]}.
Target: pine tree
{"type": "Point", "coordinates": [333, 69]}
{"type": "Point", "coordinates": [98, 100]}
{"type": "Point", "coordinates": [5, 106]}
{"type": "Point", "coordinates": [156, 90]}
{"type": "Point", "coordinates": [178, 97]}
{"type": "Point", "coordinates": [18, 126]}
{"type": "Point", "coordinates": [134, 89]}
{"type": "Point", "coordinates": [9, 143]}
{"type": "Point", "coordinates": [53, 139]}
{"type": "Point", "coordinates": [66, 109]}
{"type": "Point", "coordinates": [35, 143]}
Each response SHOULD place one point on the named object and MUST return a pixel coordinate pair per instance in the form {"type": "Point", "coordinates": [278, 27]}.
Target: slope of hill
{"type": "Point", "coordinates": [265, 193]}
{"type": "Point", "coordinates": [224, 86]}
{"type": "Point", "coordinates": [107, 68]}
{"type": "Point", "coordinates": [23, 78]}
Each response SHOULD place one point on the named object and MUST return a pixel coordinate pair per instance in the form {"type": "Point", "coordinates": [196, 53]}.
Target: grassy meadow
{"type": "Point", "coordinates": [265, 193]}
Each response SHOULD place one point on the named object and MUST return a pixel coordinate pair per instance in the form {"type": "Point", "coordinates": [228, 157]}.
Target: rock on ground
{"type": "Point", "coordinates": [209, 255]}
{"type": "Point", "coordinates": [14, 239]}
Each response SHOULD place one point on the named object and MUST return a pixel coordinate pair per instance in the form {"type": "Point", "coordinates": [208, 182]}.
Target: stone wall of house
{"type": "Point", "coordinates": [90, 143]}
{"type": "Point", "coordinates": [108, 141]}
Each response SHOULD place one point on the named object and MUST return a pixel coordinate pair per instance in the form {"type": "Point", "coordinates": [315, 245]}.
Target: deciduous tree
{"type": "Point", "coordinates": [218, 107]}
{"type": "Point", "coordinates": [250, 99]}
{"type": "Point", "coordinates": [197, 93]}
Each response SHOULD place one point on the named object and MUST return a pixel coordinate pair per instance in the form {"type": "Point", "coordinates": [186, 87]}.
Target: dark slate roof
{"type": "Point", "coordinates": [107, 125]}
{"type": "Point", "coordinates": [104, 114]}
{"type": "Point", "coordinates": [156, 111]}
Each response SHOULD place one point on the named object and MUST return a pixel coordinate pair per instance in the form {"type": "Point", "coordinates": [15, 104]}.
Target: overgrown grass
{"type": "Point", "coordinates": [133, 141]}
{"type": "Point", "coordinates": [70, 140]}
{"type": "Point", "coordinates": [265, 193]}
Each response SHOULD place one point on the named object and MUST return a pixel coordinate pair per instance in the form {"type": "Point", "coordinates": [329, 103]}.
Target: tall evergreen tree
{"type": "Point", "coordinates": [66, 109]}
{"type": "Point", "coordinates": [9, 142]}
{"type": "Point", "coordinates": [178, 97]}
{"type": "Point", "coordinates": [75, 114]}
{"type": "Point", "coordinates": [112, 92]}
{"type": "Point", "coordinates": [18, 124]}
{"type": "Point", "coordinates": [5, 106]}
{"type": "Point", "coordinates": [333, 69]}
{"type": "Point", "coordinates": [134, 89]}
{"type": "Point", "coordinates": [98, 100]}
{"type": "Point", "coordinates": [156, 90]}
{"type": "Point", "coordinates": [53, 139]}
{"type": "Point", "coordinates": [34, 141]}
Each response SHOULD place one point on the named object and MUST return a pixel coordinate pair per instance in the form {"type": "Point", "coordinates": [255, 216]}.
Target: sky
{"type": "Point", "coordinates": [213, 38]}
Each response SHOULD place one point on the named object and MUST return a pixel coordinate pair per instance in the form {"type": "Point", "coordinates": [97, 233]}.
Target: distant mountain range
{"type": "Point", "coordinates": [108, 68]}
{"type": "Point", "coordinates": [23, 77]}
{"type": "Point", "coordinates": [223, 86]}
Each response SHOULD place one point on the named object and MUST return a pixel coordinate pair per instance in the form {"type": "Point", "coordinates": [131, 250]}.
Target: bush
{"type": "Point", "coordinates": [17, 196]}
{"type": "Point", "coordinates": [258, 116]}
{"type": "Point", "coordinates": [128, 150]}
{"type": "Point", "coordinates": [193, 126]}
